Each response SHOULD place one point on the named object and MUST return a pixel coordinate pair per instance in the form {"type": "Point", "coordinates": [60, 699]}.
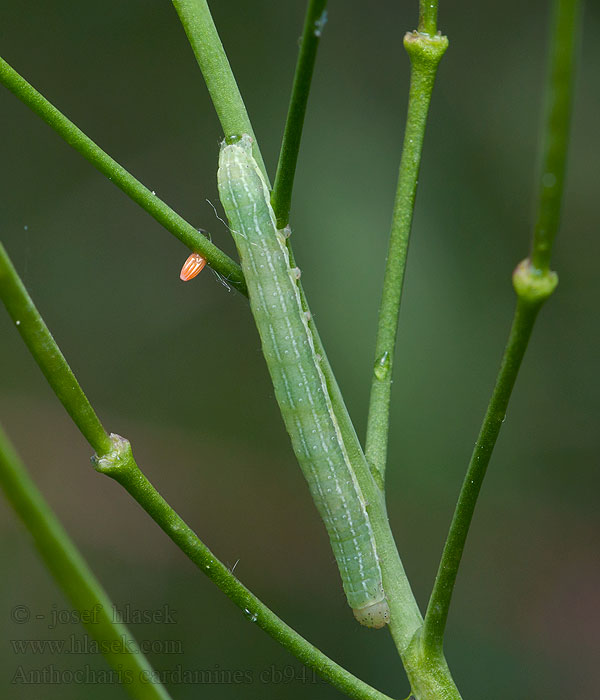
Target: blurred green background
{"type": "Point", "coordinates": [178, 369]}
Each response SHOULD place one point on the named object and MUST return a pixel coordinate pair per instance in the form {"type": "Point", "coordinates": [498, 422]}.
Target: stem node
{"type": "Point", "coordinates": [118, 461]}
{"type": "Point", "coordinates": [532, 285]}
{"type": "Point", "coordinates": [425, 49]}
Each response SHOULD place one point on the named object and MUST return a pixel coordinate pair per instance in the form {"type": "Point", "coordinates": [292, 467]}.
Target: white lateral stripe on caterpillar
{"type": "Point", "coordinates": [298, 380]}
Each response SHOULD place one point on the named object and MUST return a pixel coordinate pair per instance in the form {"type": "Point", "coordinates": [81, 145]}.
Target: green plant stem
{"type": "Point", "coordinates": [559, 99]}
{"type": "Point", "coordinates": [160, 211]}
{"type": "Point", "coordinates": [425, 53]}
{"type": "Point", "coordinates": [48, 356]}
{"type": "Point", "coordinates": [121, 466]}
{"type": "Point", "coordinates": [281, 196]}
{"type": "Point", "coordinates": [533, 283]}
{"type": "Point", "coordinates": [75, 578]}
{"type": "Point", "coordinates": [428, 10]}
{"type": "Point", "coordinates": [211, 57]}
{"type": "Point", "coordinates": [437, 611]}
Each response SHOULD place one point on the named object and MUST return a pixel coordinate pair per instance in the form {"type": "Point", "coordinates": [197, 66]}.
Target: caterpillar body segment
{"type": "Point", "coordinates": [298, 380]}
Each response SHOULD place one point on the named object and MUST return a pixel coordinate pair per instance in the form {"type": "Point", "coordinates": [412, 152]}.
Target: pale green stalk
{"type": "Point", "coordinates": [554, 150]}
{"type": "Point", "coordinates": [213, 62]}
{"type": "Point", "coordinates": [117, 174]}
{"type": "Point", "coordinates": [425, 53]}
{"type": "Point", "coordinates": [533, 283]}
{"type": "Point", "coordinates": [48, 356]}
{"type": "Point", "coordinates": [428, 10]}
{"type": "Point", "coordinates": [281, 197]}
{"type": "Point", "coordinates": [75, 578]}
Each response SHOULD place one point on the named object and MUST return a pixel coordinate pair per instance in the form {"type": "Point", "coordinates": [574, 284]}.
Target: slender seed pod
{"type": "Point", "coordinates": [191, 267]}
{"type": "Point", "coordinates": [299, 382]}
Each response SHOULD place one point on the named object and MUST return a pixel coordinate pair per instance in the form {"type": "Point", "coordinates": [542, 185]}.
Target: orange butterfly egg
{"type": "Point", "coordinates": [192, 267]}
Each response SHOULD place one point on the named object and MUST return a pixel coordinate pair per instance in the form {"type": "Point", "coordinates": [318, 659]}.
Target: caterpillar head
{"type": "Point", "coordinates": [243, 140]}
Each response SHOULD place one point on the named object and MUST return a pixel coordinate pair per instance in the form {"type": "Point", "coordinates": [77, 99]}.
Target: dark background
{"type": "Point", "coordinates": [178, 369]}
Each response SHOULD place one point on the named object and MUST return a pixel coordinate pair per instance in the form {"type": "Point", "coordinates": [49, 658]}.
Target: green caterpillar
{"type": "Point", "coordinates": [298, 380]}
